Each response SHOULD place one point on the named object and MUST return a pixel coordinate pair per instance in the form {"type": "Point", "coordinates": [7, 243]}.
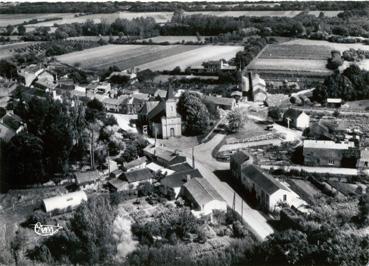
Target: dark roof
{"type": "Point", "coordinates": [86, 177]}
{"type": "Point", "coordinates": [170, 94]}
{"type": "Point", "coordinates": [138, 175]}
{"type": "Point", "coordinates": [219, 100]}
{"type": "Point", "coordinates": [179, 178]}
{"type": "Point", "coordinates": [292, 113]}
{"type": "Point", "coordinates": [12, 121]}
{"type": "Point", "coordinates": [148, 107]}
{"type": "Point", "coordinates": [202, 191]}
{"type": "Point", "coordinates": [263, 180]}
{"type": "Point", "coordinates": [240, 157]}
{"type": "Point", "coordinates": [180, 167]}
{"type": "Point", "coordinates": [158, 110]}
{"type": "Point", "coordinates": [117, 183]}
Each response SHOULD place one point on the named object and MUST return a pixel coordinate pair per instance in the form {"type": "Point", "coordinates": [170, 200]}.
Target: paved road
{"type": "Point", "coordinates": [206, 164]}
{"type": "Point", "coordinates": [313, 169]}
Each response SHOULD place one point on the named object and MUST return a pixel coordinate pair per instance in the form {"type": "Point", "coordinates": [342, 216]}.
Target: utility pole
{"type": "Point", "coordinates": [288, 122]}
{"type": "Point", "coordinates": [193, 157]}
{"type": "Point", "coordinates": [92, 151]}
{"type": "Point", "coordinates": [234, 201]}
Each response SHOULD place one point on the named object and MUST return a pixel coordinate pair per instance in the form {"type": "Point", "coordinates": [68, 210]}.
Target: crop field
{"type": "Point", "coordinates": [14, 19]}
{"type": "Point", "coordinates": [154, 57]}
{"type": "Point", "coordinates": [296, 51]}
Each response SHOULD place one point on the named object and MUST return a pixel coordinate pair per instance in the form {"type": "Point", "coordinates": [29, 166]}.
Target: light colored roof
{"type": "Point", "coordinates": [86, 177]}
{"type": "Point", "coordinates": [334, 100]}
{"type": "Point", "coordinates": [155, 168]}
{"type": "Point", "coordinates": [160, 93]}
{"type": "Point", "coordinates": [135, 162]}
{"type": "Point", "coordinates": [328, 144]}
{"type": "Point", "coordinates": [219, 100]}
{"type": "Point", "coordinates": [202, 191]}
{"type": "Point", "coordinates": [64, 201]}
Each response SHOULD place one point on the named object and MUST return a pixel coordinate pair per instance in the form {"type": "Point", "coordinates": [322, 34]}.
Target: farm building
{"type": "Point", "coordinates": [176, 180]}
{"type": "Point", "coordinates": [328, 153]}
{"type": "Point", "coordinates": [202, 196]}
{"type": "Point", "coordinates": [265, 190]}
{"type": "Point", "coordinates": [136, 164]}
{"type": "Point", "coordinates": [163, 157]}
{"type": "Point", "coordinates": [220, 102]}
{"type": "Point", "coordinates": [70, 200]}
{"type": "Point", "coordinates": [162, 120]}
{"type": "Point", "coordinates": [296, 119]}
{"type": "Point", "coordinates": [134, 178]}
{"type": "Point", "coordinates": [87, 180]}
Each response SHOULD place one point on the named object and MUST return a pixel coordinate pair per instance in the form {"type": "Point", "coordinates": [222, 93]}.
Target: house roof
{"type": "Point", "coordinates": [179, 178]}
{"type": "Point", "coordinates": [148, 106]}
{"type": "Point", "coordinates": [240, 156]}
{"type": "Point", "coordinates": [114, 101]}
{"type": "Point", "coordinates": [328, 144]}
{"type": "Point", "coordinates": [135, 162]}
{"type": "Point", "coordinates": [12, 121]}
{"type": "Point", "coordinates": [202, 191]}
{"type": "Point", "coordinates": [155, 168]}
{"type": "Point", "coordinates": [6, 133]}
{"type": "Point", "coordinates": [219, 100]}
{"type": "Point", "coordinates": [181, 167]}
{"type": "Point", "coordinates": [160, 93]}
{"type": "Point", "coordinates": [292, 114]}
{"type": "Point", "coordinates": [86, 177]}
{"type": "Point", "coordinates": [138, 175]}
{"type": "Point", "coordinates": [117, 183]}
{"type": "Point", "coordinates": [263, 180]}
{"type": "Point", "coordinates": [157, 111]}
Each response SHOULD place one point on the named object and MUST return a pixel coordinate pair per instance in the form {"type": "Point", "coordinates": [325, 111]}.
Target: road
{"type": "Point", "coordinates": [236, 146]}
{"type": "Point", "coordinates": [206, 164]}
{"type": "Point", "coordinates": [314, 169]}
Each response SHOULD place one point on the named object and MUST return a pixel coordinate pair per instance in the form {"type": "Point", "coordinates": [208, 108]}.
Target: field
{"type": "Point", "coordinates": [154, 57]}
{"type": "Point", "coordinates": [296, 51]}
{"type": "Point", "coordinates": [7, 50]}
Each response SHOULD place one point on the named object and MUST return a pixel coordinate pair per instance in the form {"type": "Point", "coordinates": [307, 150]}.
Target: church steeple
{"type": "Point", "coordinates": [170, 93]}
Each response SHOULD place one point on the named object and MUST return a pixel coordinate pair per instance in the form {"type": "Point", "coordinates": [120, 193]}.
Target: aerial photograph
{"type": "Point", "coordinates": [180, 133]}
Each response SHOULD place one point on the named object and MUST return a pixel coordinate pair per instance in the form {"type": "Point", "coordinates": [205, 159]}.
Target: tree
{"type": "Point", "coordinates": [364, 208]}
{"type": "Point", "coordinates": [194, 113]}
{"type": "Point", "coordinates": [21, 29]}
{"type": "Point", "coordinates": [235, 120]}
{"type": "Point", "coordinates": [9, 29]}
{"type": "Point", "coordinates": [8, 70]}
{"type": "Point", "coordinates": [25, 165]}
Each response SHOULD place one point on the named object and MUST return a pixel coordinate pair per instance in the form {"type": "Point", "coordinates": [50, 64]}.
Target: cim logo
{"type": "Point", "coordinates": [46, 230]}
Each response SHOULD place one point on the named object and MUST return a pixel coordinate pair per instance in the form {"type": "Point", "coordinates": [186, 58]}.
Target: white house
{"type": "Point", "coordinates": [296, 119]}
{"type": "Point", "coordinates": [264, 190]}
{"type": "Point", "coordinates": [65, 201]}
{"type": "Point", "coordinates": [202, 196]}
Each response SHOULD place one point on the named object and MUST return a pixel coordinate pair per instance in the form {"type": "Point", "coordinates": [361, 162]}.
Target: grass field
{"type": "Point", "coordinates": [14, 19]}
{"type": "Point", "coordinates": [153, 57]}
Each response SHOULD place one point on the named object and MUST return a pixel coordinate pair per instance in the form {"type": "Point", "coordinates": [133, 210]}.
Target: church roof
{"type": "Point", "coordinates": [170, 94]}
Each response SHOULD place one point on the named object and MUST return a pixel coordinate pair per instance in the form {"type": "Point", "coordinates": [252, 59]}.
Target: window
{"type": "Point", "coordinates": [284, 197]}
{"type": "Point", "coordinates": [331, 162]}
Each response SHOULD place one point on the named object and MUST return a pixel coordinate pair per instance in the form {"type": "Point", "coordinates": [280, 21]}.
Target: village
{"type": "Point", "coordinates": [216, 158]}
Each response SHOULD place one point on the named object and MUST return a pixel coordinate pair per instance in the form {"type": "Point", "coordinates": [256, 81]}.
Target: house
{"type": "Point", "coordinates": [70, 200]}
{"type": "Point", "coordinates": [237, 162]}
{"type": "Point", "coordinates": [155, 168]}
{"type": "Point", "coordinates": [202, 196]}
{"type": "Point", "coordinates": [327, 152]}
{"type": "Point", "coordinates": [363, 162]}
{"type": "Point", "coordinates": [162, 121]}
{"type": "Point", "coordinates": [29, 74]}
{"type": "Point", "coordinates": [265, 190]}
{"type": "Point", "coordinates": [136, 177]}
{"type": "Point", "coordinates": [296, 119]}
{"type": "Point", "coordinates": [116, 173]}
{"type": "Point", "coordinates": [87, 180]}
{"type": "Point", "coordinates": [220, 102]}
{"type": "Point", "coordinates": [139, 163]}
{"type": "Point", "coordinates": [163, 157]}
{"type": "Point", "coordinates": [334, 102]}
{"type": "Point", "coordinates": [176, 180]}
{"type": "Point", "coordinates": [45, 80]}
{"type": "Point", "coordinates": [101, 88]}
{"type": "Point", "coordinates": [134, 103]}
{"type": "Point", "coordinates": [114, 104]}
{"type": "Point", "coordinates": [10, 125]}
{"type": "Point", "coordinates": [116, 185]}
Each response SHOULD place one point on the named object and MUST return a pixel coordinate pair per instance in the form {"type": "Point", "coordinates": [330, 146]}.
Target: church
{"type": "Point", "coordinates": [160, 118]}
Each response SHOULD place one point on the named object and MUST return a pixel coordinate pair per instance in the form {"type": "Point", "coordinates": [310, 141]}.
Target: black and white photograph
{"type": "Point", "coordinates": [184, 133]}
